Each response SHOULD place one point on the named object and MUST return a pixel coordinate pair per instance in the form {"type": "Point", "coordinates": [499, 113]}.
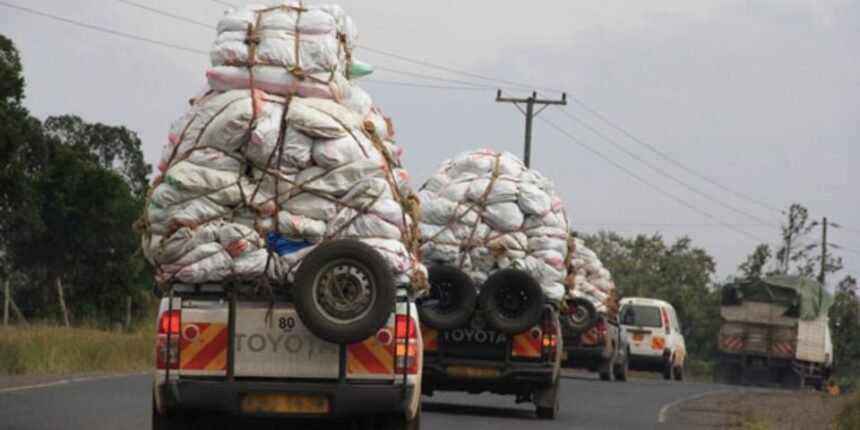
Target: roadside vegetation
{"type": "Point", "coordinates": [52, 349]}
{"type": "Point", "coordinates": [849, 416]}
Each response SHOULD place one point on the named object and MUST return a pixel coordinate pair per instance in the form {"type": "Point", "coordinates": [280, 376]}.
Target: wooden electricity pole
{"type": "Point", "coordinates": [6, 297]}
{"type": "Point", "coordinates": [530, 113]}
{"type": "Point", "coordinates": [821, 275]}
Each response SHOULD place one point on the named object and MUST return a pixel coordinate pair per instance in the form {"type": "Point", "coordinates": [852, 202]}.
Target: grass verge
{"type": "Point", "coordinates": [848, 417]}
{"type": "Point", "coordinates": [47, 349]}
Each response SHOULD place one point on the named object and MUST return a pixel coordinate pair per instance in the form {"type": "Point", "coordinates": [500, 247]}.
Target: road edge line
{"type": "Point", "coordinates": [661, 418]}
{"type": "Point", "coordinates": [70, 381]}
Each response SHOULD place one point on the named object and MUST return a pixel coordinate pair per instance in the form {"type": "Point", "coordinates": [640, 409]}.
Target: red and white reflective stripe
{"type": "Point", "coordinates": [732, 343]}
{"type": "Point", "coordinates": [590, 337]}
{"type": "Point", "coordinates": [783, 347]}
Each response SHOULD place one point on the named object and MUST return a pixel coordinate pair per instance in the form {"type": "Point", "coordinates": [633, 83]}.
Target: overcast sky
{"type": "Point", "coordinates": [761, 97]}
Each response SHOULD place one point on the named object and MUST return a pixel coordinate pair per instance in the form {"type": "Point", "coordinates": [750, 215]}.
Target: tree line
{"type": "Point", "coordinates": [70, 192]}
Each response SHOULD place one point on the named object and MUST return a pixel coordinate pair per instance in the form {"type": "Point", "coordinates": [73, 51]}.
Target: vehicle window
{"type": "Point", "coordinates": [646, 316]}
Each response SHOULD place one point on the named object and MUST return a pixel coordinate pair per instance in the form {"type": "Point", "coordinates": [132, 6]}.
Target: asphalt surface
{"type": "Point", "coordinates": [124, 402]}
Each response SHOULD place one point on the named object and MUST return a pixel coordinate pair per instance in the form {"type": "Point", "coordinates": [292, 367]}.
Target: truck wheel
{"type": "Point", "coordinates": [511, 301]}
{"type": "Point", "coordinates": [400, 422]}
{"type": "Point", "coordinates": [344, 291]}
{"type": "Point", "coordinates": [451, 301]}
{"type": "Point", "coordinates": [581, 315]}
{"type": "Point", "coordinates": [620, 371]}
{"type": "Point", "coordinates": [678, 373]}
{"type": "Point", "coordinates": [547, 402]}
{"type": "Point", "coordinates": [168, 422]}
{"type": "Point", "coordinates": [606, 367]}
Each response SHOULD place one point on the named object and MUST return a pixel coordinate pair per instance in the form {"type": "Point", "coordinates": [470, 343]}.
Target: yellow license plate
{"type": "Point", "coordinates": [473, 372]}
{"type": "Point", "coordinates": [638, 337]}
{"type": "Point", "coordinates": [284, 404]}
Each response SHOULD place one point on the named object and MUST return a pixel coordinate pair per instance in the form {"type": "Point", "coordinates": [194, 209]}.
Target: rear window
{"type": "Point", "coordinates": [646, 316]}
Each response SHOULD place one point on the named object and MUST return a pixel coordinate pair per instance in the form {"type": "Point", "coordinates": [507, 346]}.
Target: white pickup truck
{"type": "Point", "coordinates": [232, 349]}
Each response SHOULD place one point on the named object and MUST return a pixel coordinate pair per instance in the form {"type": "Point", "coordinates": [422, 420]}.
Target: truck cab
{"type": "Point", "coordinates": [238, 350]}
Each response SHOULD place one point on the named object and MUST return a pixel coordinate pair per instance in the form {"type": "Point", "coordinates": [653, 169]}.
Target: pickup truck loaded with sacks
{"type": "Point", "coordinates": [283, 236]}
{"type": "Point", "coordinates": [495, 238]}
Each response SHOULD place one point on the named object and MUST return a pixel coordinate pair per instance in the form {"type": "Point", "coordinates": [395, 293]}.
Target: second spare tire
{"type": "Point", "coordinates": [451, 301]}
{"type": "Point", "coordinates": [511, 301]}
{"type": "Point", "coordinates": [344, 291]}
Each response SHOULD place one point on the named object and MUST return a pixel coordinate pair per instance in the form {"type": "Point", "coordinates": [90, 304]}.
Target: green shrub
{"type": "Point", "coordinates": [849, 417]}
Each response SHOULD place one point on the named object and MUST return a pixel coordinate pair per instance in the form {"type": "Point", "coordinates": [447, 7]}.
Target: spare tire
{"type": "Point", "coordinates": [511, 301]}
{"type": "Point", "coordinates": [580, 315]}
{"type": "Point", "coordinates": [451, 301]}
{"type": "Point", "coordinates": [344, 291]}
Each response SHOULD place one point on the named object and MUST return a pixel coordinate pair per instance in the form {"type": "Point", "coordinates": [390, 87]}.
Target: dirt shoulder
{"type": "Point", "coordinates": [761, 410]}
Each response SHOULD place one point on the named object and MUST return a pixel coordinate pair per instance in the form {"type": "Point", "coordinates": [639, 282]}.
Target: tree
{"type": "Point", "coordinates": [86, 241]}
{"type": "Point", "coordinates": [845, 326]}
{"type": "Point", "coordinates": [113, 148]}
{"type": "Point", "coordinates": [679, 273]}
{"type": "Point", "coordinates": [795, 255]}
{"type": "Point", "coordinates": [753, 268]}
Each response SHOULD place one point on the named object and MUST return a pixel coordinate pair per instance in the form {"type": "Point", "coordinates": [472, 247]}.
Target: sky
{"type": "Point", "coordinates": [759, 99]}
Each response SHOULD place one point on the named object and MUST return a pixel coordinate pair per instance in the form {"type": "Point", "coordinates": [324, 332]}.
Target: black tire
{"type": "Point", "coordinates": [452, 299]}
{"type": "Point", "coordinates": [678, 373]}
{"type": "Point", "coordinates": [621, 370]}
{"type": "Point", "coordinates": [511, 301]}
{"type": "Point", "coordinates": [667, 370]}
{"type": "Point", "coordinates": [344, 291]}
{"type": "Point", "coordinates": [547, 402]}
{"type": "Point", "coordinates": [606, 368]}
{"type": "Point", "coordinates": [581, 315]}
{"type": "Point", "coordinates": [399, 422]}
{"type": "Point", "coordinates": [168, 422]}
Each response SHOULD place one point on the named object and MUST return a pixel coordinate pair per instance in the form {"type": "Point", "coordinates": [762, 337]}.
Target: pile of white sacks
{"type": "Point", "coordinates": [485, 211]}
{"type": "Point", "coordinates": [281, 153]}
{"type": "Point", "coordinates": [592, 281]}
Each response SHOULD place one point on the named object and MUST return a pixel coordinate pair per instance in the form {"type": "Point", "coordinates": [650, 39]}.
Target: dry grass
{"type": "Point", "coordinates": [849, 416]}
{"type": "Point", "coordinates": [47, 349]}
{"type": "Point", "coordinates": [750, 420]}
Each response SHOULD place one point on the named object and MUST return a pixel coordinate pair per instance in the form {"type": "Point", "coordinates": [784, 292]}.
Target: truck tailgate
{"type": "Point", "coordinates": [279, 345]}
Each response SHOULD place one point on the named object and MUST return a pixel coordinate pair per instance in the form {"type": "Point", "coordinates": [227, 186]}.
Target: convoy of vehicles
{"type": "Point", "coordinates": [594, 341]}
{"type": "Point", "coordinates": [775, 330]}
{"type": "Point", "coordinates": [654, 336]}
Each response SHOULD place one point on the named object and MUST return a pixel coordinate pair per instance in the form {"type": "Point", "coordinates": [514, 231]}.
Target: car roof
{"type": "Point", "coordinates": [645, 302]}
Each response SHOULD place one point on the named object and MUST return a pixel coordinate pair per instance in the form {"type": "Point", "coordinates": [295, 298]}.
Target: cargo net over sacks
{"type": "Point", "coordinates": [591, 281]}
{"type": "Point", "coordinates": [281, 154]}
{"type": "Point", "coordinates": [487, 216]}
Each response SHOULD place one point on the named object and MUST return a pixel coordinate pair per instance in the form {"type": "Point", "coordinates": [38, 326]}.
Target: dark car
{"type": "Point", "coordinates": [594, 341]}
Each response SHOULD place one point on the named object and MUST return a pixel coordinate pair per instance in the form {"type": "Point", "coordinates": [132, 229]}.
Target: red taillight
{"type": "Point", "coordinates": [169, 323]}
{"type": "Point", "coordinates": [167, 353]}
{"type": "Point", "coordinates": [405, 328]}
{"type": "Point", "coordinates": [601, 329]}
{"type": "Point", "coordinates": [666, 322]}
{"type": "Point", "coordinates": [406, 347]}
{"type": "Point", "coordinates": [550, 335]}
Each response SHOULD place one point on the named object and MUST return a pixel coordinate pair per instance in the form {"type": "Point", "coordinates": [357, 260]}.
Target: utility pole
{"type": "Point", "coordinates": [823, 250]}
{"type": "Point", "coordinates": [530, 114]}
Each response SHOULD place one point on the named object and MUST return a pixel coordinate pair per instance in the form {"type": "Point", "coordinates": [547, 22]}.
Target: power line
{"type": "Point", "coordinates": [662, 172]}
{"type": "Point", "coordinates": [671, 160]}
{"type": "Point", "coordinates": [588, 109]}
{"type": "Point", "coordinates": [434, 78]}
{"type": "Point", "coordinates": [649, 184]}
{"type": "Point", "coordinates": [167, 14]}
{"type": "Point", "coordinates": [512, 84]}
{"type": "Point", "coordinates": [662, 224]}
{"type": "Point", "coordinates": [103, 29]}
{"type": "Point", "coordinates": [223, 3]}
{"type": "Point", "coordinates": [417, 85]}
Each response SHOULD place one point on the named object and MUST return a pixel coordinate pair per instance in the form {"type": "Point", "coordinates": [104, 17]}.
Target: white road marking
{"type": "Point", "coordinates": [665, 409]}
{"type": "Point", "coordinates": [70, 381]}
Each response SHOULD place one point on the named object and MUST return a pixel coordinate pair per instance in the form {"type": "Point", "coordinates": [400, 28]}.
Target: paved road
{"type": "Point", "coordinates": [124, 403]}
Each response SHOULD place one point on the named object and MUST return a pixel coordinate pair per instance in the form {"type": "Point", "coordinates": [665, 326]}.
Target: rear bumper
{"type": "Point", "coordinates": [226, 397]}
{"type": "Point", "coordinates": [586, 356]}
{"type": "Point", "coordinates": [512, 378]}
{"type": "Point", "coordinates": [649, 362]}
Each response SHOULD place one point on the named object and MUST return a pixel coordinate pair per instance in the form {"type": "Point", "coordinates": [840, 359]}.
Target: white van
{"type": "Point", "coordinates": [654, 335]}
